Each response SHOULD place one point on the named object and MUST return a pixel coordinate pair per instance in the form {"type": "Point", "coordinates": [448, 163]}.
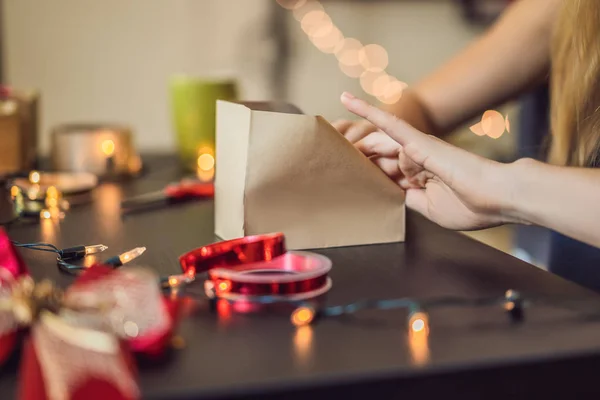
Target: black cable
{"type": "Point", "coordinates": [67, 255]}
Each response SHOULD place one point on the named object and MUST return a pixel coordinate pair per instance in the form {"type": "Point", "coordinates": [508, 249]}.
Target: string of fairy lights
{"type": "Point", "coordinates": [368, 63]}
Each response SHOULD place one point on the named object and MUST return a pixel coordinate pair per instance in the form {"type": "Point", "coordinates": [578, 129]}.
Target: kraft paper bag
{"type": "Point", "coordinates": [293, 173]}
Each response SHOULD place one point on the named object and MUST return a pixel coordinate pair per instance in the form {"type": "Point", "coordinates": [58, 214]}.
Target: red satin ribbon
{"type": "Point", "coordinates": [258, 266]}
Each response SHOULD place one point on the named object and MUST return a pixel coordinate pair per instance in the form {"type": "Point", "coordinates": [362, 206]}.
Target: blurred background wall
{"type": "Point", "coordinates": [110, 60]}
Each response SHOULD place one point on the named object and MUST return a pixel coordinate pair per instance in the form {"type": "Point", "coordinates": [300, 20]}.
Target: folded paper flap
{"type": "Point", "coordinates": [233, 127]}
{"type": "Point", "coordinates": [307, 180]}
{"type": "Point", "coordinates": [272, 106]}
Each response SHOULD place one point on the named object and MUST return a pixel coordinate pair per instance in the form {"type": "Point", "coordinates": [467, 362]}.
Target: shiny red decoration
{"type": "Point", "coordinates": [258, 265]}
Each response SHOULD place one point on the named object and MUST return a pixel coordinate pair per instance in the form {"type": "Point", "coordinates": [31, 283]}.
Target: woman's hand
{"type": "Point", "coordinates": [354, 131]}
{"type": "Point", "coordinates": [448, 185]}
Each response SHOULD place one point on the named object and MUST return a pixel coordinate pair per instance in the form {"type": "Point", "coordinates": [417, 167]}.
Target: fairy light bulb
{"type": "Point", "coordinates": [45, 214]}
{"type": "Point", "coordinates": [223, 286]}
{"type": "Point", "coordinates": [15, 191]}
{"type": "Point", "coordinates": [303, 316]}
{"type": "Point", "coordinates": [418, 337]}
{"type": "Point", "coordinates": [34, 177]}
{"type": "Point", "coordinates": [94, 249]}
{"type": "Point", "coordinates": [53, 196]}
{"type": "Point", "coordinates": [131, 255]}
{"type": "Point", "coordinates": [206, 162]}
{"type": "Point", "coordinates": [418, 323]}
{"type": "Point", "coordinates": [108, 147]}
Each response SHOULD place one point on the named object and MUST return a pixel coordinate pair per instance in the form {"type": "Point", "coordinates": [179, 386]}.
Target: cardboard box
{"type": "Point", "coordinates": [293, 173]}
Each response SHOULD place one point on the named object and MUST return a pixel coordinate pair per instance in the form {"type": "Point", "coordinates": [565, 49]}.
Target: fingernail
{"type": "Point", "coordinates": [348, 96]}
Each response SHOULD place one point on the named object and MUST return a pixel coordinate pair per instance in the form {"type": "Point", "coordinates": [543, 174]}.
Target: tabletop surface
{"type": "Point", "coordinates": [228, 355]}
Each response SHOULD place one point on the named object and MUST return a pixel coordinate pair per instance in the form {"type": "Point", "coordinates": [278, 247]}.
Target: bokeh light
{"type": "Point", "coordinates": [393, 92]}
{"type": "Point", "coordinates": [477, 129]}
{"type": "Point", "coordinates": [355, 60]}
{"type": "Point", "coordinates": [108, 147]}
{"type": "Point", "coordinates": [373, 58]}
{"type": "Point", "coordinates": [381, 84]}
{"type": "Point", "coordinates": [348, 50]}
{"type": "Point", "coordinates": [367, 80]}
{"type": "Point", "coordinates": [206, 162]}
{"type": "Point", "coordinates": [308, 6]}
{"type": "Point", "coordinates": [291, 4]}
{"type": "Point", "coordinates": [507, 124]}
{"type": "Point", "coordinates": [353, 71]}
{"type": "Point", "coordinates": [493, 124]}
{"type": "Point", "coordinates": [329, 41]}
{"type": "Point", "coordinates": [316, 23]}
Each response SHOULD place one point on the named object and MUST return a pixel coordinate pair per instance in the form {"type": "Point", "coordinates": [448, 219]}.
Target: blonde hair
{"type": "Point", "coordinates": [575, 85]}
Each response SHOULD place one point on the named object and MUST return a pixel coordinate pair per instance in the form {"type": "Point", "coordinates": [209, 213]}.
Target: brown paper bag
{"type": "Point", "coordinates": [293, 173]}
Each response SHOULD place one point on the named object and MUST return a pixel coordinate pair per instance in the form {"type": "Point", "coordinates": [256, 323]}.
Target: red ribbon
{"type": "Point", "coordinates": [257, 266]}
{"type": "Point", "coordinates": [67, 357]}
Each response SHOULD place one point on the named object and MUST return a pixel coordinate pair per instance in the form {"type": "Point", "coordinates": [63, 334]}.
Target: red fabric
{"type": "Point", "coordinates": [153, 344]}
{"type": "Point", "coordinates": [32, 387]}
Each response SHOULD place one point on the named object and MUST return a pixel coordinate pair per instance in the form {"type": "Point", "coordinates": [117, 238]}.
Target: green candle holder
{"type": "Point", "coordinates": [193, 105]}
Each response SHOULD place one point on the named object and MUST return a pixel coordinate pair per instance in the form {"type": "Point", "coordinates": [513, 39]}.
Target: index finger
{"type": "Point", "coordinates": [398, 130]}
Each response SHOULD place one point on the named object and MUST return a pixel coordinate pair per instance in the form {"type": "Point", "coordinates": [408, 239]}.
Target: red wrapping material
{"type": "Point", "coordinates": [33, 386]}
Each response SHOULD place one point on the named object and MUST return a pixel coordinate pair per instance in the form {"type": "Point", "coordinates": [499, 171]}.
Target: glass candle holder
{"type": "Point", "coordinates": [193, 106]}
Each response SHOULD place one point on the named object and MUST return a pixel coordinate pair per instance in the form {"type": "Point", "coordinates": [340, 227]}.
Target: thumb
{"type": "Point", "coordinates": [416, 200]}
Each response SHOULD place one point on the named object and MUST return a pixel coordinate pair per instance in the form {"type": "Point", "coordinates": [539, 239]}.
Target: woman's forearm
{"type": "Point", "coordinates": [564, 199]}
{"type": "Point", "coordinates": [509, 58]}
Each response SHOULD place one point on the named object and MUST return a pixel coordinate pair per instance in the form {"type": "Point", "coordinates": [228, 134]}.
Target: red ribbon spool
{"type": "Point", "coordinates": [259, 268]}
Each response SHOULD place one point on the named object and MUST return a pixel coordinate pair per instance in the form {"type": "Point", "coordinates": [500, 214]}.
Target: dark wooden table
{"type": "Point", "coordinates": [474, 353]}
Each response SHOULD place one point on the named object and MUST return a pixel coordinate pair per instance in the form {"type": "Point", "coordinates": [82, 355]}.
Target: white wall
{"type": "Point", "coordinates": [109, 60]}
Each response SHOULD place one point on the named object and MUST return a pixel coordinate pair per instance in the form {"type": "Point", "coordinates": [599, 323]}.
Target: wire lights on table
{"type": "Point", "coordinates": [66, 256]}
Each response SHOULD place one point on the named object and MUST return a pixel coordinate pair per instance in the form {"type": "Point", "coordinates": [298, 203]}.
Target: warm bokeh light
{"type": "Point", "coordinates": [15, 191]}
{"type": "Point", "coordinates": [367, 80]}
{"type": "Point", "coordinates": [45, 214]}
{"type": "Point", "coordinates": [381, 84]}
{"type": "Point", "coordinates": [327, 42]}
{"type": "Point", "coordinates": [347, 51]}
{"type": "Point", "coordinates": [373, 58]}
{"type": "Point", "coordinates": [418, 338]}
{"type": "Point", "coordinates": [316, 23]}
{"type": "Point", "coordinates": [52, 192]}
{"type": "Point", "coordinates": [493, 124]}
{"type": "Point", "coordinates": [393, 92]}
{"type": "Point", "coordinates": [206, 162]}
{"type": "Point", "coordinates": [355, 60]}
{"type": "Point", "coordinates": [353, 71]}
{"type": "Point", "coordinates": [108, 147]}
{"type": "Point", "coordinates": [34, 177]}
{"type": "Point", "coordinates": [419, 323]}
{"type": "Point", "coordinates": [303, 345]}
{"type": "Point", "coordinates": [302, 316]}
{"type": "Point", "coordinates": [223, 287]}
{"type": "Point", "coordinates": [291, 4]}
{"type": "Point", "coordinates": [224, 310]}
{"type": "Point", "coordinates": [308, 6]}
